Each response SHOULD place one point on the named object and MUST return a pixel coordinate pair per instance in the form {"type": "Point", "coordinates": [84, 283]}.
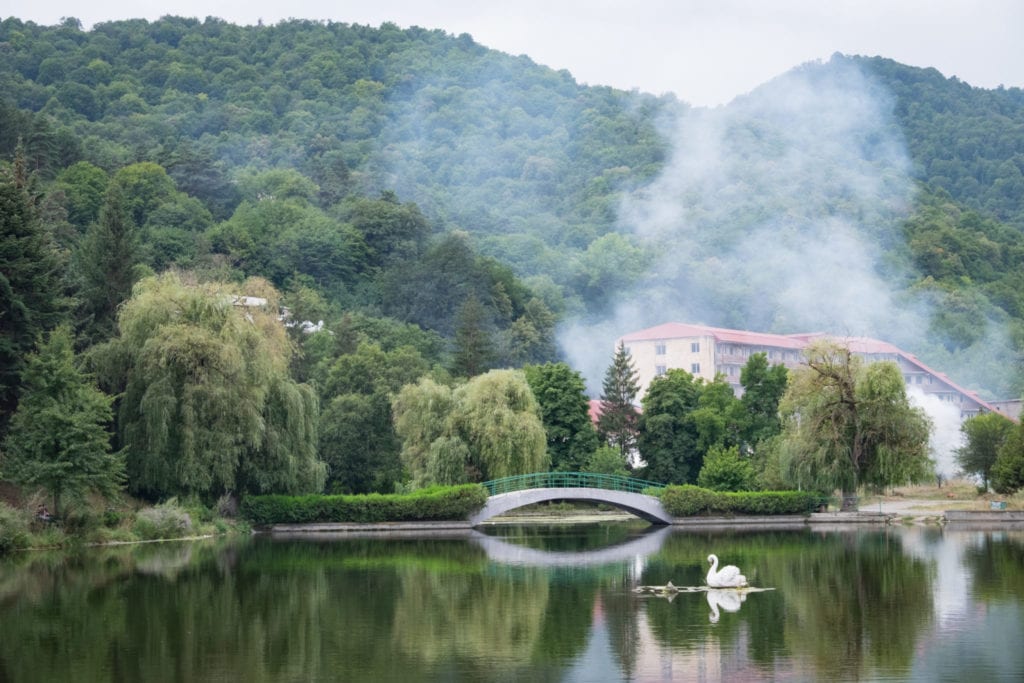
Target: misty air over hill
{"type": "Point", "coordinates": [796, 208]}
{"type": "Point", "coordinates": [853, 197]}
{"type": "Point", "coordinates": [474, 231]}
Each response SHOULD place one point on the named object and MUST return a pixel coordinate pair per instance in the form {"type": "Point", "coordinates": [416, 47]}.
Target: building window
{"type": "Point", "coordinates": [659, 370]}
{"type": "Point", "coordinates": [694, 368]}
{"type": "Point", "coordinates": [695, 347]}
{"type": "Point", "coordinates": [659, 348]}
{"type": "Point", "coordinates": [919, 378]}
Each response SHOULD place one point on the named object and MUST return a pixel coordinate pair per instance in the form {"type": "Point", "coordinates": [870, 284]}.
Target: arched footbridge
{"type": "Point", "coordinates": [624, 493]}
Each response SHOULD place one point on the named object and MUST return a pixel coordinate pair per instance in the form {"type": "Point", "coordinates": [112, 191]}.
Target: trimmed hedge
{"type": "Point", "coordinates": [691, 501]}
{"type": "Point", "coordinates": [431, 504]}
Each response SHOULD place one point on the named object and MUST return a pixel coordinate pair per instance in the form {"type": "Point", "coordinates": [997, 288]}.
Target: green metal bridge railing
{"type": "Point", "coordinates": [569, 480]}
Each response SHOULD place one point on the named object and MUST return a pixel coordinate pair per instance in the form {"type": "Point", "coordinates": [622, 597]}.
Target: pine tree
{"type": "Point", "coordinates": [474, 349]}
{"type": "Point", "coordinates": [619, 417]}
{"type": "Point", "coordinates": [107, 263]}
{"type": "Point", "coordinates": [31, 298]}
{"type": "Point", "coordinates": [58, 439]}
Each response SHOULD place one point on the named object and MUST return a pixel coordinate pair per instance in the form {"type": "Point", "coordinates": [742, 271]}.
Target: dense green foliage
{"type": "Point", "coordinates": [849, 424]}
{"type": "Point", "coordinates": [30, 295]}
{"type": "Point", "coordinates": [162, 521]}
{"type": "Point", "coordinates": [763, 388]}
{"type": "Point", "coordinates": [58, 440]}
{"type": "Point", "coordinates": [668, 434]}
{"type": "Point", "coordinates": [14, 531]}
{"type": "Point", "coordinates": [1008, 469]}
{"type": "Point", "coordinates": [441, 208]}
{"type": "Point", "coordinates": [208, 405]}
{"type": "Point", "coordinates": [686, 419]}
{"type": "Point", "coordinates": [725, 469]}
{"type": "Point", "coordinates": [618, 419]}
{"type": "Point", "coordinates": [565, 411]}
{"type": "Point", "coordinates": [984, 437]}
{"type": "Point", "coordinates": [485, 429]}
{"type": "Point", "coordinates": [428, 504]}
{"type": "Point", "coordinates": [967, 141]}
{"type": "Point", "coordinates": [438, 119]}
{"type": "Point", "coordinates": [692, 501]}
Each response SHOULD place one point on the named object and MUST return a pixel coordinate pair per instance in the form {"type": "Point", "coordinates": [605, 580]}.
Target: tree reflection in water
{"type": "Point", "coordinates": [849, 606]}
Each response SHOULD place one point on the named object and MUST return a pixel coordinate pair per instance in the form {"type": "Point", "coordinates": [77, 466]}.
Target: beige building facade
{"type": "Point", "coordinates": [709, 351]}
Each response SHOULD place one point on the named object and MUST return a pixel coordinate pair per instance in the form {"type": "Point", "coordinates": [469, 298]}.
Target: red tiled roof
{"type": "Point", "coordinates": [861, 345]}
{"type": "Point", "coordinates": [677, 330]}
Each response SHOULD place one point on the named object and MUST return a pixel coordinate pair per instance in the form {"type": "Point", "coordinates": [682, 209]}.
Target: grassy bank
{"type": "Point", "coordinates": [95, 522]}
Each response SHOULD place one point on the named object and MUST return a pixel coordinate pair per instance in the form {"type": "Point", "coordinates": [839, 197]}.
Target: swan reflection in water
{"type": "Point", "coordinates": [727, 600]}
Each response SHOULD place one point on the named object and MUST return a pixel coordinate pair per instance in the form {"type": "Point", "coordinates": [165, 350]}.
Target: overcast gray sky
{"type": "Point", "coordinates": [705, 51]}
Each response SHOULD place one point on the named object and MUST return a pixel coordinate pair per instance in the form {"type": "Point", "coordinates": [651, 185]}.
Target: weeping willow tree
{"type": "Point", "coordinates": [208, 406]}
{"type": "Point", "coordinates": [849, 424]}
{"type": "Point", "coordinates": [488, 428]}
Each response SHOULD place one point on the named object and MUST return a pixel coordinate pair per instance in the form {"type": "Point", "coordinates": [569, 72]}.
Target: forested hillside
{"type": "Point", "coordinates": [447, 209]}
{"type": "Point", "coordinates": [964, 140]}
{"type": "Point", "coordinates": [514, 153]}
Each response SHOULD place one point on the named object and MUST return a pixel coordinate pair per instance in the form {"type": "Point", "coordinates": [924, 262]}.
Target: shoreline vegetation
{"type": "Point", "coordinates": [132, 522]}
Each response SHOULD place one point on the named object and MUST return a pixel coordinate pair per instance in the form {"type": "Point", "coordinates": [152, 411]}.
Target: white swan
{"type": "Point", "coordinates": [728, 577]}
{"type": "Point", "coordinates": [729, 601]}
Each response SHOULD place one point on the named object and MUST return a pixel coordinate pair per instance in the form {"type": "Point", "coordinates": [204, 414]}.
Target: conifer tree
{"type": "Point", "coordinates": [107, 263]}
{"type": "Point", "coordinates": [474, 350]}
{"type": "Point", "coordinates": [619, 417]}
{"type": "Point", "coordinates": [31, 300]}
{"type": "Point", "coordinates": [58, 439]}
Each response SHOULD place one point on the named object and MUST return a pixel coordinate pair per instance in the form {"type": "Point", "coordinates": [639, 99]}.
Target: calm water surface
{"type": "Point", "coordinates": [523, 604]}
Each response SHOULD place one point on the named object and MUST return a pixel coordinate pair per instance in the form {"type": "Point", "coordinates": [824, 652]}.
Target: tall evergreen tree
{"type": "Point", "coordinates": [618, 422]}
{"type": "Point", "coordinates": [107, 263]}
{"type": "Point", "coordinates": [58, 439]}
{"type": "Point", "coordinates": [31, 298]}
{"type": "Point", "coordinates": [474, 349]}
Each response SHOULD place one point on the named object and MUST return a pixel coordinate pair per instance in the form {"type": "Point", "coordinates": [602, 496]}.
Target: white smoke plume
{"type": "Point", "coordinates": [778, 213]}
{"type": "Point", "coordinates": [946, 437]}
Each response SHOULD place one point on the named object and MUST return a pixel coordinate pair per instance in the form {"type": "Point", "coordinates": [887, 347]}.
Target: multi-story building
{"type": "Point", "coordinates": [709, 351]}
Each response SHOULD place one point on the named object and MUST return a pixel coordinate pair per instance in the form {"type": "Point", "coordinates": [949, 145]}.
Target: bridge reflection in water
{"type": "Point", "coordinates": [624, 493]}
{"type": "Point", "coordinates": [634, 550]}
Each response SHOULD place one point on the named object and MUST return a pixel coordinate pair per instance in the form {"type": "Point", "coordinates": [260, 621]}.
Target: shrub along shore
{"type": "Point", "coordinates": [459, 502]}
{"type": "Point", "coordinates": [693, 501]}
{"type": "Point", "coordinates": [437, 503]}
{"type": "Point", "coordinates": [172, 520]}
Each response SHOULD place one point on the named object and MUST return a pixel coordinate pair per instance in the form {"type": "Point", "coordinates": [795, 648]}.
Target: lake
{"type": "Point", "coordinates": [523, 603]}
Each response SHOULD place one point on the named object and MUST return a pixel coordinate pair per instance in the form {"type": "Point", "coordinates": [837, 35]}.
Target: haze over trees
{"type": "Point", "coordinates": [421, 213]}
